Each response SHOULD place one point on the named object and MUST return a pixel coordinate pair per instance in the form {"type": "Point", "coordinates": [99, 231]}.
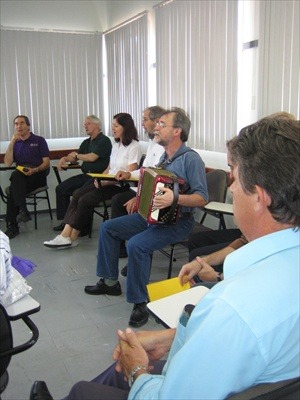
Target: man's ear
{"type": "Point", "coordinates": [262, 198]}
{"type": "Point", "coordinates": [178, 131]}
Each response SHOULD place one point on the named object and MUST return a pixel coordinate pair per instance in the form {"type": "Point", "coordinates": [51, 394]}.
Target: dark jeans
{"type": "Point", "coordinates": [79, 212]}
{"type": "Point", "coordinates": [20, 186]}
{"type": "Point", "coordinates": [65, 190]}
{"type": "Point", "coordinates": [108, 385]}
{"type": "Point", "coordinates": [118, 201]}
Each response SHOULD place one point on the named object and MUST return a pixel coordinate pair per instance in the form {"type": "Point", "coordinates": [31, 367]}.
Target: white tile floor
{"type": "Point", "coordinates": [77, 331]}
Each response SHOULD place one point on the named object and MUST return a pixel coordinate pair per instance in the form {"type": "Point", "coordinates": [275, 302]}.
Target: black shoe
{"type": "Point", "coordinates": [59, 227]}
{"type": "Point", "coordinates": [124, 271]}
{"type": "Point", "coordinates": [139, 315]}
{"type": "Point", "coordinates": [12, 231]}
{"type": "Point", "coordinates": [123, 252]}
{"type": "Point", "coordinates": [24, 216]}
{"type": "Point", "coordinates": [39, 391]}
{"type": "Point", "coordinates": [102, 288]}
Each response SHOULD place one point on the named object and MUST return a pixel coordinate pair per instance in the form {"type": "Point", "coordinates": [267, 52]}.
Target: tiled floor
{"type": "Point", "coordinates": [77, 331]}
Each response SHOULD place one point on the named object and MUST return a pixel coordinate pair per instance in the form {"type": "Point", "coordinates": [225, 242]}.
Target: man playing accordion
{"type": "Point", "coordinates": [142, 238]}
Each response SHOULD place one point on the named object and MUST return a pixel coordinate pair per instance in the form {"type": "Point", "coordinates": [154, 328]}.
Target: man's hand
{"type": "Point", "coordinates": [29, 171]}
{"type": "Point", "coordinates": [188, 271]}
{"type": "Point", "coordinates": [73, 155]}
{"type": "Point", "coordinates": [62, 164]}
{"type": "Point", "coordinates": [16, 137]}
{"type": "Point", "coordinates": [155, 343]}
{"type": "Point", "coordinates": [164, 200]}
{"type": "Point", "coordinates": [131, 352]}
{"type": "Point", "coordinates": [199, 267]}
{"type": "Point", "coordinates": [131, 206]}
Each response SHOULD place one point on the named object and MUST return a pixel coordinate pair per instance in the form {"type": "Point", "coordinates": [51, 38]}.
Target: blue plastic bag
{"type": "Point", "coordinates": [25, 267]}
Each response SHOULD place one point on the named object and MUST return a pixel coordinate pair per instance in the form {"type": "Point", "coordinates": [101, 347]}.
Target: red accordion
{"type": "Point", "coordinates": [150, 182]}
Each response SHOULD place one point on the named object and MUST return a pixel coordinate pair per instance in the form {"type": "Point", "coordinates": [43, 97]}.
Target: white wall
{"type": "Point", "coordinates": [61, 15]}
{"type": "Point", "coordinates": [75, 15]}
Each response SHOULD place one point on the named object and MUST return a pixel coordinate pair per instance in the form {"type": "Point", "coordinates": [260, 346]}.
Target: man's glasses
{"type": "Point", "coordinates": [163, 125]}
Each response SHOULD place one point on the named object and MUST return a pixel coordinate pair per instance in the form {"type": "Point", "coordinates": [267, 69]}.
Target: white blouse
{"type": "Point", "coordinates": [122, 156]}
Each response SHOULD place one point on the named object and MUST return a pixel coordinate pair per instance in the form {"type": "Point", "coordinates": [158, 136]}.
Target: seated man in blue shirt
{"type": "Point", "coordinates": [246, 328]}
{"type": "Point", "coordinates": [171, 132]}
{"type": "Point", "coordinates": [32, 152]}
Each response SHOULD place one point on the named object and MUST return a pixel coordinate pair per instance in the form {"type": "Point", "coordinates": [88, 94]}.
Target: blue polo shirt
{"type": "Point", "coordinates": [188, 165]}
{"type": "Point", "coordinates": [30, 152]}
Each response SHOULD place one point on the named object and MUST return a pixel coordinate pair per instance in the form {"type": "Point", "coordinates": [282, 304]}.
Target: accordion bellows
{"type": "Point", "coordinates": [151, 180]}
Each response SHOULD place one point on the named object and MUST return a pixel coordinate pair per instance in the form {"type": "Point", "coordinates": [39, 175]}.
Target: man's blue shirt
{"type": "Point", "coordinates": [245, 331]}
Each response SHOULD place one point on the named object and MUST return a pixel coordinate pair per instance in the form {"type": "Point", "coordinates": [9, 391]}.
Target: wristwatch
{"type": "Point", "coordinates": [133, 372]}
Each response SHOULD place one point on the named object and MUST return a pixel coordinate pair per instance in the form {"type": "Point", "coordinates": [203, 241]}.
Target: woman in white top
{"type": "Point", "coordinates": [126, 154]}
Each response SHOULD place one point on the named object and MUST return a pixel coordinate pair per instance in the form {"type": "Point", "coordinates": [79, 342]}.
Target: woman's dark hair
{"type": "Point", "coordinates": [130, 132]}
{"type": "Point", "coordinates": [27, 122]}
{"type": "Point", "coordinates": [268, 155]}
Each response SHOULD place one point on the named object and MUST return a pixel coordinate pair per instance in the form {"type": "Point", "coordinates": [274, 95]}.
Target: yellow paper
{"type": "Point", "coordinates": [20, 168]}
{"type": "Point", "coordinates": [158, 290]}
{"type": "Point", "coordinates": [109, 177]}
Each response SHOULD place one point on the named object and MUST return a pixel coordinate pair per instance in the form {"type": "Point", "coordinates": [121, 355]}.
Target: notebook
{"type": "Point", "coordinates": [168, 309]}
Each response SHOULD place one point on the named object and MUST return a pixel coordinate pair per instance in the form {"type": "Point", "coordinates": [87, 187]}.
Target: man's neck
{"type": "Point", "coordinates": [94, 135]}
{"type": "Point", "coordinates": [172, 148]}
{"type": "Point", "coordinates": [25, 137]}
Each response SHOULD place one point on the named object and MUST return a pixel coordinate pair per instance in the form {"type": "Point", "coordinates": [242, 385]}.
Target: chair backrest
{"type": "Point", "coordinates": [217, 185]}
{"type": "Point", "coordinates": [142, 160]}
{"type": "Point", "coordinates": [6, 339]}
{"type": "Point", "coordinates": [281, 390]}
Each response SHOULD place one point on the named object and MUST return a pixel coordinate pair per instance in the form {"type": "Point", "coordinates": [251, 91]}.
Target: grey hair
{"type": "Point", "coordinates": [181, 120]}
{"type": "Point", "coordinates": [268, 155]}
{"type": "Point", "coordinates": [155, 112]}
{"type": "Point", "coordinates": [93, 118]}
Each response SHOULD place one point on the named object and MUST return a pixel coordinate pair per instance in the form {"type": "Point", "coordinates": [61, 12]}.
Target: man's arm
{"type": "Point", "coordinates": [191, 200]}
{"type": "Point", "coordinates": [89, 157]}
{"type": "Point", "coordinates": [201, 265]}
{"type": "Point", "coordinates": [9, 155]}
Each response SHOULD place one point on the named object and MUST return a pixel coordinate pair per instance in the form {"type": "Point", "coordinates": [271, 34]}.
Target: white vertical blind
{"type": "Point", "coordinates": [53, 78]}
{"type": "Point", "coordinates": [196, 44]}
{"type": "Point", "coordinates": [127, 68]}
{"type": "Point", "coordinates": [279, 60]}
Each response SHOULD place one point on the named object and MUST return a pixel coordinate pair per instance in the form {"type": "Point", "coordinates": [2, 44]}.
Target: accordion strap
{"type": "Point", "coordinates": [175, 200]}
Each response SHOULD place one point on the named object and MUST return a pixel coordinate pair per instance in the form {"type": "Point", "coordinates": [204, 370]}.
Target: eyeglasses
{"type": "Point", "coordinates": [163, 125]}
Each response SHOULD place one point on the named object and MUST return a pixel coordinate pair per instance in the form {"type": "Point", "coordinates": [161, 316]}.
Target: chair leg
{"type": "Point", "coordinates": [171, 261]}
{"type": "Point", "coordinates": [91, 226]}
{"type": "Point", "coordinates": [203, 218]}
{"type": "Point", "coordinates": [49, 206]}
{"type": "Point", "coordinates": [35, 211]}
{"type": "Point", "coordinates": [222, 222]}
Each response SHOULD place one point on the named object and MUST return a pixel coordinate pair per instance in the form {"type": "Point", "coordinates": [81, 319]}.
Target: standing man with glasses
{"type": "Point", "coordinates": [171, 132]}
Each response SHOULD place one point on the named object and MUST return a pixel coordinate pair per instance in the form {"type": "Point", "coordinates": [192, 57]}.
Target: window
{"type": "Point", "coordinates": [53, 78]}
{"type": "Point", "coordinates": [196, 47]}
{"type": "Point", "coordinates": [127, 69]}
